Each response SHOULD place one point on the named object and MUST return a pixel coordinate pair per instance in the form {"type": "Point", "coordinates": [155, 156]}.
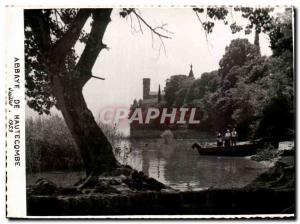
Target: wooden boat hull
{"type": "Point", "coordinates": [232, 151]}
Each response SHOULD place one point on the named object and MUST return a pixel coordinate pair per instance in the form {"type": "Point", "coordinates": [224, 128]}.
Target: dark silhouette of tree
{"type": "Point", "coordinates": [256, 40]}
{"type": "Point", "coordinates": [277, 121]}
{"type": "Point", "coordinates": [277, 118]}
{"type": "Point", "coordinates": [134, 105]}
{"type": "Point", "coordinates": [159, 95]}
{"type": "Point", "coordinates": [172, 86]}
{"type": "Point", "coordinates": [55, 75]}
{"type": "Point", "coordinates": [207, 83]}
{"type": "Point", "coordinates": [239, 52]}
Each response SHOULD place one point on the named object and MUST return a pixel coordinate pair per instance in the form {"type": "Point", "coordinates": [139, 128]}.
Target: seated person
{"type": "Point", "coordinates": [219, 139]}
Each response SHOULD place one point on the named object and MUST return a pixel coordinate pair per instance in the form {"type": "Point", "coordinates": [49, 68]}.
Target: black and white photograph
{"type": "Point", "coordinates": [158, 112]}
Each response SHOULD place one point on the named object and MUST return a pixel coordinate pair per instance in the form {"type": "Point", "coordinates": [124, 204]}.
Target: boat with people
{"type": "Point", "coordinates": [239, 150]}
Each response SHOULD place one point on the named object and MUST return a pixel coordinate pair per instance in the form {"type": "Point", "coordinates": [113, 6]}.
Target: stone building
{"type": "Point", "coordinates": [154, 99]}
{"type": "Point", "coordinates": [151, 98]}
{"type": "Point", "coordinates": [147, 94]}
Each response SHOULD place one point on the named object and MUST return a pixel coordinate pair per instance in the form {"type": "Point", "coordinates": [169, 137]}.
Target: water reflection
{"type": "Point", "coordinates": [177, 165]}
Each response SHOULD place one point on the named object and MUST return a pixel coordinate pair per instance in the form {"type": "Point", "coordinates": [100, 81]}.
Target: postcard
{"type": "Point", "coordinates": [154, 113]}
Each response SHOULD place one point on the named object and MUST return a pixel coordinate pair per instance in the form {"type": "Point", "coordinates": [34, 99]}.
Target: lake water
{"type": "Point", "coordinates": [175, 164]}
{"type": "Point", "coordinates": [179, 166]}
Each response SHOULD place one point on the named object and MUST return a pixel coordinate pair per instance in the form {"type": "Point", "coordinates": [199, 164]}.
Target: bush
{"type": "Point", "coordinates": [266, 154]}
{"type": "Point", "coordinates": [50, 146]}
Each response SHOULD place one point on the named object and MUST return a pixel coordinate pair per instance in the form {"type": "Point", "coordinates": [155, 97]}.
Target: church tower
{"type": "Point", "coordinates": [146, 88]}
{"type": "Point", "coordinates": [191, 74]}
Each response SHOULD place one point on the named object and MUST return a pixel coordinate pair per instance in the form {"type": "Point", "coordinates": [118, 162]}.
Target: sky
{"type": "Point", "coordinates": [134, 55]}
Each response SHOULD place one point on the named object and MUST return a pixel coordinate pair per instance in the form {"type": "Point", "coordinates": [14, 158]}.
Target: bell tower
{"type": "Point", "coordinates": [191, 74]}
{"type": "Point", "coordinates": [146, 88]}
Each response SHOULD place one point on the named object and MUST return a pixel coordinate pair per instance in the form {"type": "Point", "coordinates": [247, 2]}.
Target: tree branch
{"type": "Point", "coordinates": [60, 50]}
{"type": "Point", "coordinates": [96, 77]}
{"type": "Point", "coordinates": [93, 45]}
{"type": "Point", "coordinates": [202, 25]}
{"type": "Point", "coordinates": [154, 30]}
{"type": "Point", "coordinates": [63, 26]}
{"type": "Point", "coordinates": [140, 26]}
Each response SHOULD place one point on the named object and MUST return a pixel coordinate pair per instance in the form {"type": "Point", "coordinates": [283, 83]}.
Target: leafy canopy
{"type": "Point", "coordinates": [55, 23]}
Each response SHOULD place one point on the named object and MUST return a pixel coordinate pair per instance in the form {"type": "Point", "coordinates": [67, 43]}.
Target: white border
{"type": "Point", "coordinates": [16, 175]}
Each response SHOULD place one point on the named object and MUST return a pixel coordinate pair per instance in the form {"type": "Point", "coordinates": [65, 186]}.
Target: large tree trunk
{"type": "Point", "coordinates": [67, 83]}
{"type": "Point", "coordinates": [95, 149]}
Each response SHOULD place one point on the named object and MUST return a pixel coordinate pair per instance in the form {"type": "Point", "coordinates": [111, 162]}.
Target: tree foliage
{"type": "Point", "coordinates": [175, 89]}
{"type": "Point", "coordinates": [53, 24]}
{"type": "Point", "coordinates": [258, 19]}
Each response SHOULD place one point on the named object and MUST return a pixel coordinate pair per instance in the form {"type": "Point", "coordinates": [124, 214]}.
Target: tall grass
{"type": "Point", "coordinates": [50, 146]}
{"type": "Point", "coordinates": [111, 132]}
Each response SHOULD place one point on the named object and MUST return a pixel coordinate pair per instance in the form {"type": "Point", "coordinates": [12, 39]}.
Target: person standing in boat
{"type": "Point", "coordinates": [227, 138]}
{"type": "Point", "coordinates": [233, 137]}
{"type": "Point", "coordinates": [219, 139]}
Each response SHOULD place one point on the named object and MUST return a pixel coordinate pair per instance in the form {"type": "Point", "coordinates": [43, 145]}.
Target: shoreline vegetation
{"type": "Point", "coordinates": [50, 146]}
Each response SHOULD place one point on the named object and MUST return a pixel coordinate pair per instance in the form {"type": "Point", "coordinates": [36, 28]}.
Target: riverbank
{"type": "Point", "coordinates": [281, 161]}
